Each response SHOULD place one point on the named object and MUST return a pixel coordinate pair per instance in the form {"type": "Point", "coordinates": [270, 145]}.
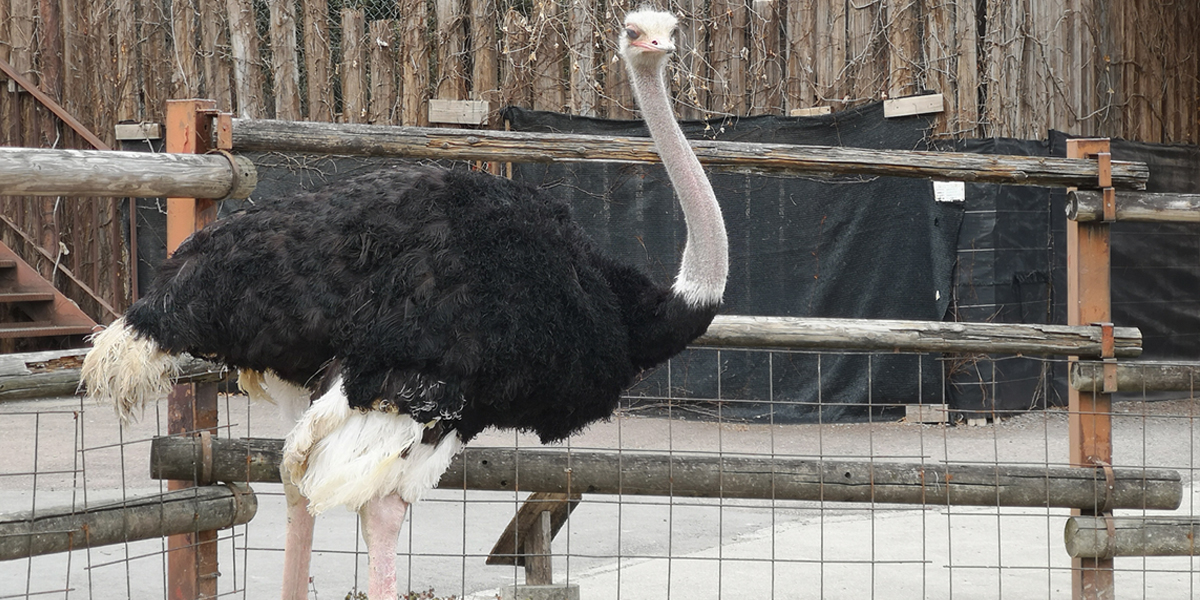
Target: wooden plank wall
{"type": "Point", "coordinates": [1120, 68]}
{"type": "Point", "coordinates": [1096, 67]}
{"type": "Point", "coordinates": [1006, 68]}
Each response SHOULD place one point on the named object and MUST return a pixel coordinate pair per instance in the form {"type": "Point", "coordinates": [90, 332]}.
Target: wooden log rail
{"type": "Point", "coordinates": [1088, 537]}
{"type": "Point", "coordinates": [56, 373]}
{"type": "Point", "coordinates": [721, 476]}
{"type": "Point", "coordinates": [1147, 207]}
{"type": "Point", "coordinates": [1136, 377]}
{"type": "Point", "coordinates": [47, 172]}
{"type": "Point", "coordinates": [509, 146]}
{"type": "Point", "coordinates": [63, 529]}
{"type": "Point", "coordinates": [916, 336]}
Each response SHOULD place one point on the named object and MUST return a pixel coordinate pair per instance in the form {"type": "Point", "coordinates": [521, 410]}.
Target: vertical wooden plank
{"type": "Point", "coordinates": [581, 58]}
{"type": "Point", "coordinates": [904, 49]}
{"type": "Point", "coordinates": [1190, 74]}
{"type": "Point", "coordinates": [21, 28]}
{"type": "Point", "coordinates": [617, 99]}
{"type": "Point", "coordinates": [127, 109]}
{"type": "Point", "coordinates": [50, 64]}
{"type": "Point", "coordinates": [414, 53]}
{"type": "Point", "coordinates": [693, 68]}
{"type": "Point", "coordinates": [284, 61]}
{"type": "Point", "coordinates": [967, 90]}
{"type": "Point", "coordinates": [831, 50]}
{"type": "Point", "coordinates": [547, 53]}
{"type": "Point", "coordinates": [319, 86]}
{"type": "Point", "coordinates": [247, 69]}
{"type": "Point", "coordinates": [451, 45]}
{"type": "Point", "coordinates": [1090, 419]}
{"type": "Point", "coordinates": [861, 22]}
{"type": "Point", "coordinates": [382, 47]}
{"type": "Point", "coordinates": [801, 53]}
{"type": "Point", "coordinates": [728, 51]}
{"type": "Point", "coordinates": [192, 557]}
{"type": "Point", "coordinates": [354, 65]}
{"type": "Point", "coordinates": [515, 82]}
{"type": "Point", "coordinates": [937, 44]}
{"type": "Point", "coordinates": [186, 80]}
{"type": "Point", "coordinates": [5, 33]}
{"type": "Point", "coordinates": [485, 70]}
{"type": "Point", "coordinates": [766, 51]}
{"type": "Point", "coordinates": [537, 552]}
{"type": "Point", "coordinates": [214, 41]}
{"type": "Point", "coordinates": [155, 84]}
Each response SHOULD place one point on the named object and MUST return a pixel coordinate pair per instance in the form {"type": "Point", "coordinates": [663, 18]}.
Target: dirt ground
{"type": "Point", "coordinates": [623, 547]}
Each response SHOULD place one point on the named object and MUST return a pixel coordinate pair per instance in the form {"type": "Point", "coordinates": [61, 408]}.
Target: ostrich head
{"type": "Point", "coordinates": [647, 37]}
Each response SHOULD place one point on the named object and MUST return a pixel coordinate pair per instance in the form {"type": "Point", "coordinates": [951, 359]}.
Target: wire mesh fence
{"type": "Point", "coordinates": [62, 454]}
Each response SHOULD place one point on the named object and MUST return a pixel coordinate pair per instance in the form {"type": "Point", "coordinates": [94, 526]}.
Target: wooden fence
{"type": "Point", "coordinates": [1125, 68]}
{"type": "Point", "coordinates": [1005, 68]}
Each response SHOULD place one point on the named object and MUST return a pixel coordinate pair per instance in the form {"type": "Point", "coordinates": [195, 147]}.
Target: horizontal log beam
{"type": "Point", "coordinates": [47, 374]}
{"type": "Point", "coordinates": [716, 476]}
{"type": "Point", "coordinates": [56, 373]}
{"type": "Point", "coordinates": [916, 336]}
{"type": "Point", "coordinates": [62, 529]}
{"type": "Point", "coordinates": [1087, 537]}
{"type": "Point", "coordinates": [1148, 207]}
{"type": "Point", "coordinates": [1136, 377]}
{"type": "Point", "coordinates": [511, 146]}
{"type": "Point", "coordinates": [46, 172]}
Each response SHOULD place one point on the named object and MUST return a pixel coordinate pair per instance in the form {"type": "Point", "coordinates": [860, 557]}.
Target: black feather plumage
{"type": "Point", "coordinates": [448, 293]}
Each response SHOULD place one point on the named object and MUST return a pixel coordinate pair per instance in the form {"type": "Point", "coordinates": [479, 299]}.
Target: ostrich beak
{"type": "Point", "coordinates": [655, 45]}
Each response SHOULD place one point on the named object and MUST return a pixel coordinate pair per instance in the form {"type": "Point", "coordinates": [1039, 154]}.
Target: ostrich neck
{"type": "Point", "coordinates": [705, 264]}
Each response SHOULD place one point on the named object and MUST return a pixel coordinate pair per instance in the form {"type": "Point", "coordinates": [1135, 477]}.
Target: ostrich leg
{"type": "Point", "coordinates": [381, 521]}
{"type": "Point", "coordinates": [297, 547]}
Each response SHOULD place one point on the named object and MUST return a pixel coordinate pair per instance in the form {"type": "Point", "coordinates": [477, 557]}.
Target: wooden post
{"type": "Point", "coordinates": [192, 407]}
{"type": "Point", "coordinates": [1088, 301]}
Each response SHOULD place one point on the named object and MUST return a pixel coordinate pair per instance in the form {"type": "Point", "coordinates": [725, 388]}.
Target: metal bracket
{"type": "Point", "coordinates": [206, 458]}
{"type": "Point", "coordinates": [1108, 356]}
{"type": "Point", "coordinates": [1105, 510]}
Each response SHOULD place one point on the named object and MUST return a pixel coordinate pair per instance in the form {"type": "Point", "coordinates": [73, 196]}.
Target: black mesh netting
{"type": "Point", "coordinates": [868, 247]}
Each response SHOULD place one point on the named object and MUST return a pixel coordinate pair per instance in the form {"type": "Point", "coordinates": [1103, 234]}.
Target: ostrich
{"type": "Point", "coordinates": [409, 309]}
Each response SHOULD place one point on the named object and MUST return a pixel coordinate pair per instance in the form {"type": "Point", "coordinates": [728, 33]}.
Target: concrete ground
{"type": "Point", "coordinates": [630, 547]}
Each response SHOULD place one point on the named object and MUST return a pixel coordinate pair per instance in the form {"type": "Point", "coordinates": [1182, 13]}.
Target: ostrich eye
{"type": "Point", "coordinates": [631, 33]}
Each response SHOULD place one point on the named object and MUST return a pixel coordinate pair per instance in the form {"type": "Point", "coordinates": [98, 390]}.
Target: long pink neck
{"type": "Point", "coordinates": [705, 265]}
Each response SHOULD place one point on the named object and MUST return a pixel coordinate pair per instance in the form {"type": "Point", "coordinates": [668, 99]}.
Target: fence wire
{"type": "Point", "coordinates": [63, 453]}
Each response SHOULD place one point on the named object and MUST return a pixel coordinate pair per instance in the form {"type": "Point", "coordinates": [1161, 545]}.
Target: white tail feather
{"type": "Point", "coordinates": [128, 370]}
{"type": "Point", "coordinates": [266, 386]}
{"type": "Point", "coordinates": [337, 455]}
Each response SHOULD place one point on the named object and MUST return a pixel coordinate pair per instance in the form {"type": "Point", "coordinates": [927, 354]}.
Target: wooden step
{"type": "Point", "coordinates": [26, 296]}
{"type": "Point", "coordinates": [40, 329]}
{"type": "Point", "coordinates": [7, 263]}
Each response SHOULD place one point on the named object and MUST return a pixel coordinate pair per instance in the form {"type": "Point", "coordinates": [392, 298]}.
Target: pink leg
{"type": "Point", "coordinates": [381, 521]}
{"type": "Point", "coordinates": [297, 548]}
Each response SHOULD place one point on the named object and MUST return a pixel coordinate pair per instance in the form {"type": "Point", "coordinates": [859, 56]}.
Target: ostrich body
{"type": "Point", "coordinates": [409, 309]}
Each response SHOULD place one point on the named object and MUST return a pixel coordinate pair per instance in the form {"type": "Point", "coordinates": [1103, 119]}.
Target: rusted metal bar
{"type": "Point", "coordinates": [53, 106]}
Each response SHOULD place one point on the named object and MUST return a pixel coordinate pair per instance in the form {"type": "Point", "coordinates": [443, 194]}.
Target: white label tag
{"type": "Point", "coordinates": [949, 191]}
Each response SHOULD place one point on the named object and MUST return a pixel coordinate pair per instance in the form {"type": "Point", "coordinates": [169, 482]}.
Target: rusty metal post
{"type": "Point", "coordinates": [1088, 302]}
{"type": "Point", "coordinates": [191, 407]}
